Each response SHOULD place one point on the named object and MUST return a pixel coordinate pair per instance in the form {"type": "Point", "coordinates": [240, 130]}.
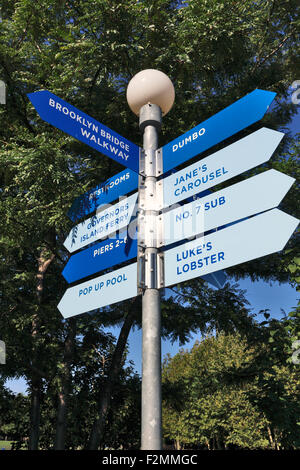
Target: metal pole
{"type": "Point", "coordinates": [150, 122]}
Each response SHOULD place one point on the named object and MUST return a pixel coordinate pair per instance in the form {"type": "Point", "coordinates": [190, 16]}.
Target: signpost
{"type": "Point", "coordinates": [102, 224]}
{"type": "Point", "coordinates": [236, 117]}
{"type": "Point", "coordinates": [249, 236]}
{"type": "Point", "coordinates": [250, 239]}
{"type": "Point", "coordinates": [76, 123]}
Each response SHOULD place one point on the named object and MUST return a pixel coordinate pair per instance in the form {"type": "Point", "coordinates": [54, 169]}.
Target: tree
{"type": "Point", "coordinates": [279, 381]}
{"type": "Point", "coordinates": [13, 416]}
{"type": "Point", "coordinates": [231, 393]}
{"type": "Point", "coordinates": [216, 411]}
{"type": "Point", "coordinates": [86, 52]}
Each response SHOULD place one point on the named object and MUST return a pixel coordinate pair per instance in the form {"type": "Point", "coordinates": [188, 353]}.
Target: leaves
{"type": "Point", "coordinates": [229, 397]}
{"type": "Point", "coordinates": [86, 51]}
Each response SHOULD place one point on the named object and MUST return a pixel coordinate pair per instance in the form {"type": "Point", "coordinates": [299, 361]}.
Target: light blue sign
{"type": "Point", "coordinates": [220, 166]}
{"type": "Point", "coordinates": [257, 236]}
{"type": "Point", "coordinates": [76, 123]}
{"type": "Point", "coordinates": [108, 289]}
{"type": "Point", "coordinates": [223, 207]}
{"type": "Point", "coordinates": [236, 117]}
{"type": "Point", "coordinates": [102, 224]}
{"type": "Point", "coordinates": [116, 186]}
{"type": "Point", "coordinates": [100, 256]}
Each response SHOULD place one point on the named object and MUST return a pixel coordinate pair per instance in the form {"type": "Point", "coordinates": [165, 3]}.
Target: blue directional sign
{"type": "Point", "coordinates": [116, 186]}
{"type": "Point", "coordinates": [76, 123]}
{"type": "Point", "coordinates": [217, 279]}
{"type": "Point", "coordinates": [100, 256]}
{"type": "Point", "coordinates": [236, 117]}
{"type": "Point", "coordinates": [258, 236]}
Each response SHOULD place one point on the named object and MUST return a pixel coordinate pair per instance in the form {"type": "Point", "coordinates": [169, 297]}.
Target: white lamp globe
{"type": "Point", "coordinates": [150, 86]}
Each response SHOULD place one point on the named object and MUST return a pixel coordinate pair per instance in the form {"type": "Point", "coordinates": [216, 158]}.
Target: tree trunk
{"type": "Point", "coordinates": [177, 444]}
{"type": "Point", "coordinates": [35, 414]}
{"type": "Point", "coordinates": [65, 389]}
{"type": "Point", "coordinates": [35, 391]}
{"type": "Point", "coordinates": [36, 377]}
{"type": "Point", "coordinates": [98, 426]}
{"type": "Point", "coordinates": [219, 447]}
{"type": "Point", "coordinates": [271, 438]}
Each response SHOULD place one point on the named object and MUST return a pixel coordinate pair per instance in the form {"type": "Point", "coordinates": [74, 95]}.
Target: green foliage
{"type": "Point", "coordinates": [123, 427]}
{"type": "Point", "coordinates": [86, 51]}
{"type": "Point", "coordinates": [14, 417]}
{"type": "Point", "coordinates": [231, 394]}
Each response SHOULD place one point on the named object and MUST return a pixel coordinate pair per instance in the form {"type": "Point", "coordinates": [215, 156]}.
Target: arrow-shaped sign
{"type": "Point", "coordinates": [251, 196]}
{"type": "Point", "coordinates": [102, 224]}
{"type": "Point", "coordinates": [250, 239]}
{"type": "Point", "coordinates": [76, 123]}
{"type": "Point", "coordinates": [116, 186]}
{"type": "Point", "coordinates": [100, 256]}
{"type": "Point", "coordinates": [236, 117]}
{"type": "Point", "coordinates": [217, 279]}
{"type": "Point", "coordinates": [103, 290]}
{"type": "Point", "coordinates": [231, 161]}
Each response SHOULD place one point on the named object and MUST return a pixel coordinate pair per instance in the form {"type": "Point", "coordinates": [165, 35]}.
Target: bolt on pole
{"type": "Point", "coordinates": [151, 432]}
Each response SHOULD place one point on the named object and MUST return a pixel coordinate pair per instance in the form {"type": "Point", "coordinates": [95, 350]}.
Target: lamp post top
{"type": "Point", "coordinates": [150, 86]}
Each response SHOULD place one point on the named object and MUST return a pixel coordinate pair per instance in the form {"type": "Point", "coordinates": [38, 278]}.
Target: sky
{"type": "Point", "coordinates": [260, 296]}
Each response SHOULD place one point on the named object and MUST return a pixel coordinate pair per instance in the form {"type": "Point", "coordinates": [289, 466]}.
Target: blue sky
{"type": "Point", "coordinates": [260, 295]}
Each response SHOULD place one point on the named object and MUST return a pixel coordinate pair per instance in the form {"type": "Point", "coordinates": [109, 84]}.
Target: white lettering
{"type": "Point", "coordinates": [95, 129]}
{"type": "Point", "coordinates": [188, 140]}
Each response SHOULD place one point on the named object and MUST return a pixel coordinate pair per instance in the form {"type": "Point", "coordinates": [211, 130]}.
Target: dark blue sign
{"type": "Point", "coordinates": [100, 256]}
{"type": "Point", "coordinates": [76, 123]}
{"type": "Point", "coordinates": [119, 185]}
{"type": "Point", "coordinates": [241, 114]}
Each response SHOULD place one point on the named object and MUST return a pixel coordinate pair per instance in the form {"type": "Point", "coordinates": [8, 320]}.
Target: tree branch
{"type": "Point", "coordinates": [259, 64]}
